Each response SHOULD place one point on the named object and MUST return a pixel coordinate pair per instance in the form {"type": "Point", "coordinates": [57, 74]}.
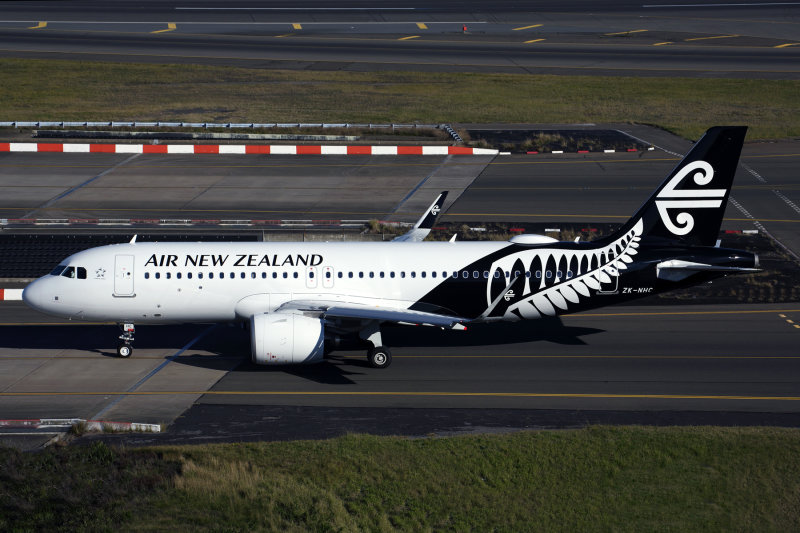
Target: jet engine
{"type": "Point", "coordinates": [284, 338]}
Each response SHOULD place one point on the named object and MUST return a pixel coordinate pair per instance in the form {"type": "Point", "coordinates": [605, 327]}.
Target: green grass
{"type": "Point", "coordinates": [77, 90]}
{"type": "Point", "coordinates": [595, 479]}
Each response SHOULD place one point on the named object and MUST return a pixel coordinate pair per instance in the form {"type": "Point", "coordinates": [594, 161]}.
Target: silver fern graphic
{"type": "Point", "coordinates": [575, 275]}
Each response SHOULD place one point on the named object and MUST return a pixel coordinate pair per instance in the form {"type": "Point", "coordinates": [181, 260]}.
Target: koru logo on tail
{"type": "Point", "coordinates": [435, 210]}
{"type": "Point", "coordinates": [672, 198]}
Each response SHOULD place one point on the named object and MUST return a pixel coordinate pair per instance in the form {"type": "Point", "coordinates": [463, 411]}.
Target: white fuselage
{"type": "Point", "coordinates": [210, 282]}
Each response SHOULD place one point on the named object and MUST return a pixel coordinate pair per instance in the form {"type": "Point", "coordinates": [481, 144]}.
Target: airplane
{"type": "Point", "coordinates": [300, 298]}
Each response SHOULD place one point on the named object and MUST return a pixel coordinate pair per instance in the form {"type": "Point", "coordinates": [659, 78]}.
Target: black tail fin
{"type": "Point", "coordinates": [691, 202]}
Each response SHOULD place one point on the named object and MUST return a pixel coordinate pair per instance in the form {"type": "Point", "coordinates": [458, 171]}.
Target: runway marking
{"type": "Point", "coordinates": [409, 37]}
{"type": "Point", "coordinates": [38, 26]}
{"type": "Point", "coordinates": [422, 26]}
{"type": "Point", "coordinates": [662, 44]}
{"type": "Point", "coordinates": [152, 373]}
{"type": "Point", "coordinates": [533, 41]}
{"type": "Point", "coordinates": [625, 32]}
{"type": "Point", "coordinates": [171, 26]}
{"type": "Point", "coordinates": [416, 394]}
{"type": "Point", "coordinates": [297, 26]}
{"type": "Point", "coordinates": [708, 38]}
{"type": "Point", "coordinates": [787, 45]}
{"type": "Point", "coordinates": [527, 27]}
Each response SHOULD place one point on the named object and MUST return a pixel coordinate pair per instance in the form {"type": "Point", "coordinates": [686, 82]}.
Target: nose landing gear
{"type": "Point", "coordinates": [125, 349]}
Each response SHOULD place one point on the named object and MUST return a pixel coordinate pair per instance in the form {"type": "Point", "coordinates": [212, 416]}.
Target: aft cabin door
{"type": "Point", "coordinates": [123, 275]}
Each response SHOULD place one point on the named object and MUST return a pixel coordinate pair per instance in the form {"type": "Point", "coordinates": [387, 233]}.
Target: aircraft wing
{"type": "Point", "coordinates": [425, 223]}
{"type": "Point", "coordinates": [372, 312]}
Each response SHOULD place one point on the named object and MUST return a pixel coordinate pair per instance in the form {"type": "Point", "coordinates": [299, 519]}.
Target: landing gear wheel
{"type": "Point", "coordinates": [124, 350]}
{"type": "Point", "coordinates": [379, 357]}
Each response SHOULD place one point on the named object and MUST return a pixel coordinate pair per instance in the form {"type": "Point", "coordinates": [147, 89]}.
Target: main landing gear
{"type": "Point", "coordinates": [125, 349]}
{"type": "Point", "coordinates": [378, 356]}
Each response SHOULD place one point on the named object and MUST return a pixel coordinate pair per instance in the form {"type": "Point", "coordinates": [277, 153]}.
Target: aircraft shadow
{"type": "Point", "coordinates": [499, 333]}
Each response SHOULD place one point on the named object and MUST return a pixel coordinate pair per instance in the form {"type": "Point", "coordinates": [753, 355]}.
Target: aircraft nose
{"type": "Point", "coordinates": [35, 295]}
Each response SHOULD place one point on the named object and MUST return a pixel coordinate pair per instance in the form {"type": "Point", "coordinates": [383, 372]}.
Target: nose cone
{"type": "Point", "coordinates": [37, 296]}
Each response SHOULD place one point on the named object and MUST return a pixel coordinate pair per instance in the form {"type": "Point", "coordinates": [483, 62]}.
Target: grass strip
{"type": "Point", "coordinates": [82, 90]}
{"type": "Point", "coordinates": [599, 478]}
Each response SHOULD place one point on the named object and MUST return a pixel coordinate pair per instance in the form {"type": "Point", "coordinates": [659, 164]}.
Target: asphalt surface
{"type": "Point", "coordinates": [738, 39]}
{"type": "Point", "coordinates": [653, 364]}
{"type": "Point", "coordinates": [646, 365]}
{"type": "Point", "coordinates": [554, 188]}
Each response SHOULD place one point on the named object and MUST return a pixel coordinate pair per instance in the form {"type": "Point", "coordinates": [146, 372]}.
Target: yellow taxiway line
{"type": "Point", "coordinates": [566, 395]}
{"type": "Point", "coordinates": [171, 26]}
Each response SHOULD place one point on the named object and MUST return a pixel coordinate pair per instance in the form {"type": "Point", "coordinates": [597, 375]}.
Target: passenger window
{"type": "Point", "coordinates": [548, 274]}
{"type": "Point", "coordinates": [538, 274]}
{"type": "Point", "coordinates": [559, 273]}
{"type": "Point", "coordinates": [58, 270]}
{"type": "Point", "coordinates": [294, 275]}
{"type": "Point", "coordinates": [433, 274]}
{"type": "Point", "coordinates": [147, 275]}
{"type": "Point", "coordinates": [274, 275]}
{"type": "Point", "coordinates": [199, 275]}
{"type": "Point", "coordinates": [465, 274]}
{"type": "Point", "coordinates": [413, 274]}
{"type": "Point", "coordinates": [232, 275]}
{"type": "Point", "coordinates": [263, 275]}
{"type": "Point", "coordinates": [349, 274]}
{"type": "Point", "coordinates": [169, 275]}
{"type": "Point", "coordinates": [444, 274]}
{"type": "Point", "coordinates": [455, 275]}
{"type": "Point", "coordinates": [381, 274]}
{"type": "Point", "coordinates": [285, 275]}
{"type": "Point", "coordinates": [569, 274]}
{"type": "Point", "coordinates": [311, 274]}
{"type": "Point", "coordinates": [496, 274]}
{"type": "Point", "coordinates": [339, 275]}
{"type": "Point", "coordinates": [422, 274]}
{"type": "Point", "coordinates": [476, 274]}
{"type": "Point", "coordinates": [178, 275]}
{"type": "Point", "coordinates": [391, 274]}
{"type": "Point", "coordinates": [402, 274]}
{"type": "Point", "coordinates": [252, 275]}
{"type": "Point", "coordinates": [527, 273]}
{"type": "Point", "coordinates": [188, 275]}
{"type": "Point", "coordinates": [372, 274]}
{"type": "Point", "coordinates": [69, 272]}
{"type": "Point", "coordinates": [485, 274]}
{"type": "Point", "coordinates": [360, 274]}
{"type": "Point", "coordinates": [210, 275]}
{"type": "Point", "coordinates": [241, 275]}
{"type": "Point", "coordinates": [158, 275]}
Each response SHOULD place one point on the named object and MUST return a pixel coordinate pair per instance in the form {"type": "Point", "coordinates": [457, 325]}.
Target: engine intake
{"type": "Point", "coordinates": [283, 338]}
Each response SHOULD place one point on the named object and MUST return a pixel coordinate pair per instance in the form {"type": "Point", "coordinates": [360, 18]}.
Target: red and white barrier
{"type": "Point", "coordinates": [10, 294]}
{"type": "Point", "coordinates": [264, 149]}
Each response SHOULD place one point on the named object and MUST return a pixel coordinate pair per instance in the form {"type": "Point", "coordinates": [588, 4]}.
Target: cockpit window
{"type": "Point", "coordinates": [81, 273]}
{"type": "Point", "coordinates": [58, 270]}
{"type": "Point", "coordinates": [69, 272]}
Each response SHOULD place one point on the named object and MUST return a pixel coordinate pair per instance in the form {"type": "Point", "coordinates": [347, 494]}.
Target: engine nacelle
{"type": "Point", "coordinates": [284, 338]}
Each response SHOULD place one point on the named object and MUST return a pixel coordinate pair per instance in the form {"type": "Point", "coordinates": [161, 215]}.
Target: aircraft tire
{"type": "Point", "coordinates": [124, 350]}
{"type": "Point", "coordinates": [379, 357]}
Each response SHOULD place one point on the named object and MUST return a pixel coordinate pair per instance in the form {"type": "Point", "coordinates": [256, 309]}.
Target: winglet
{"type": "Point", "coordinates": [425, 223]}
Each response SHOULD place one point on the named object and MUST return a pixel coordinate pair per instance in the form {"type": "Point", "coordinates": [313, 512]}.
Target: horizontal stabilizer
{"type": "Point", "coordinates": [678, 269]}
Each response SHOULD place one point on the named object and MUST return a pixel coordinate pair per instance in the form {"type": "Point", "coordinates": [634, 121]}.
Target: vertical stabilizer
{"type": "Point", "coordinates": [691, 202]}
